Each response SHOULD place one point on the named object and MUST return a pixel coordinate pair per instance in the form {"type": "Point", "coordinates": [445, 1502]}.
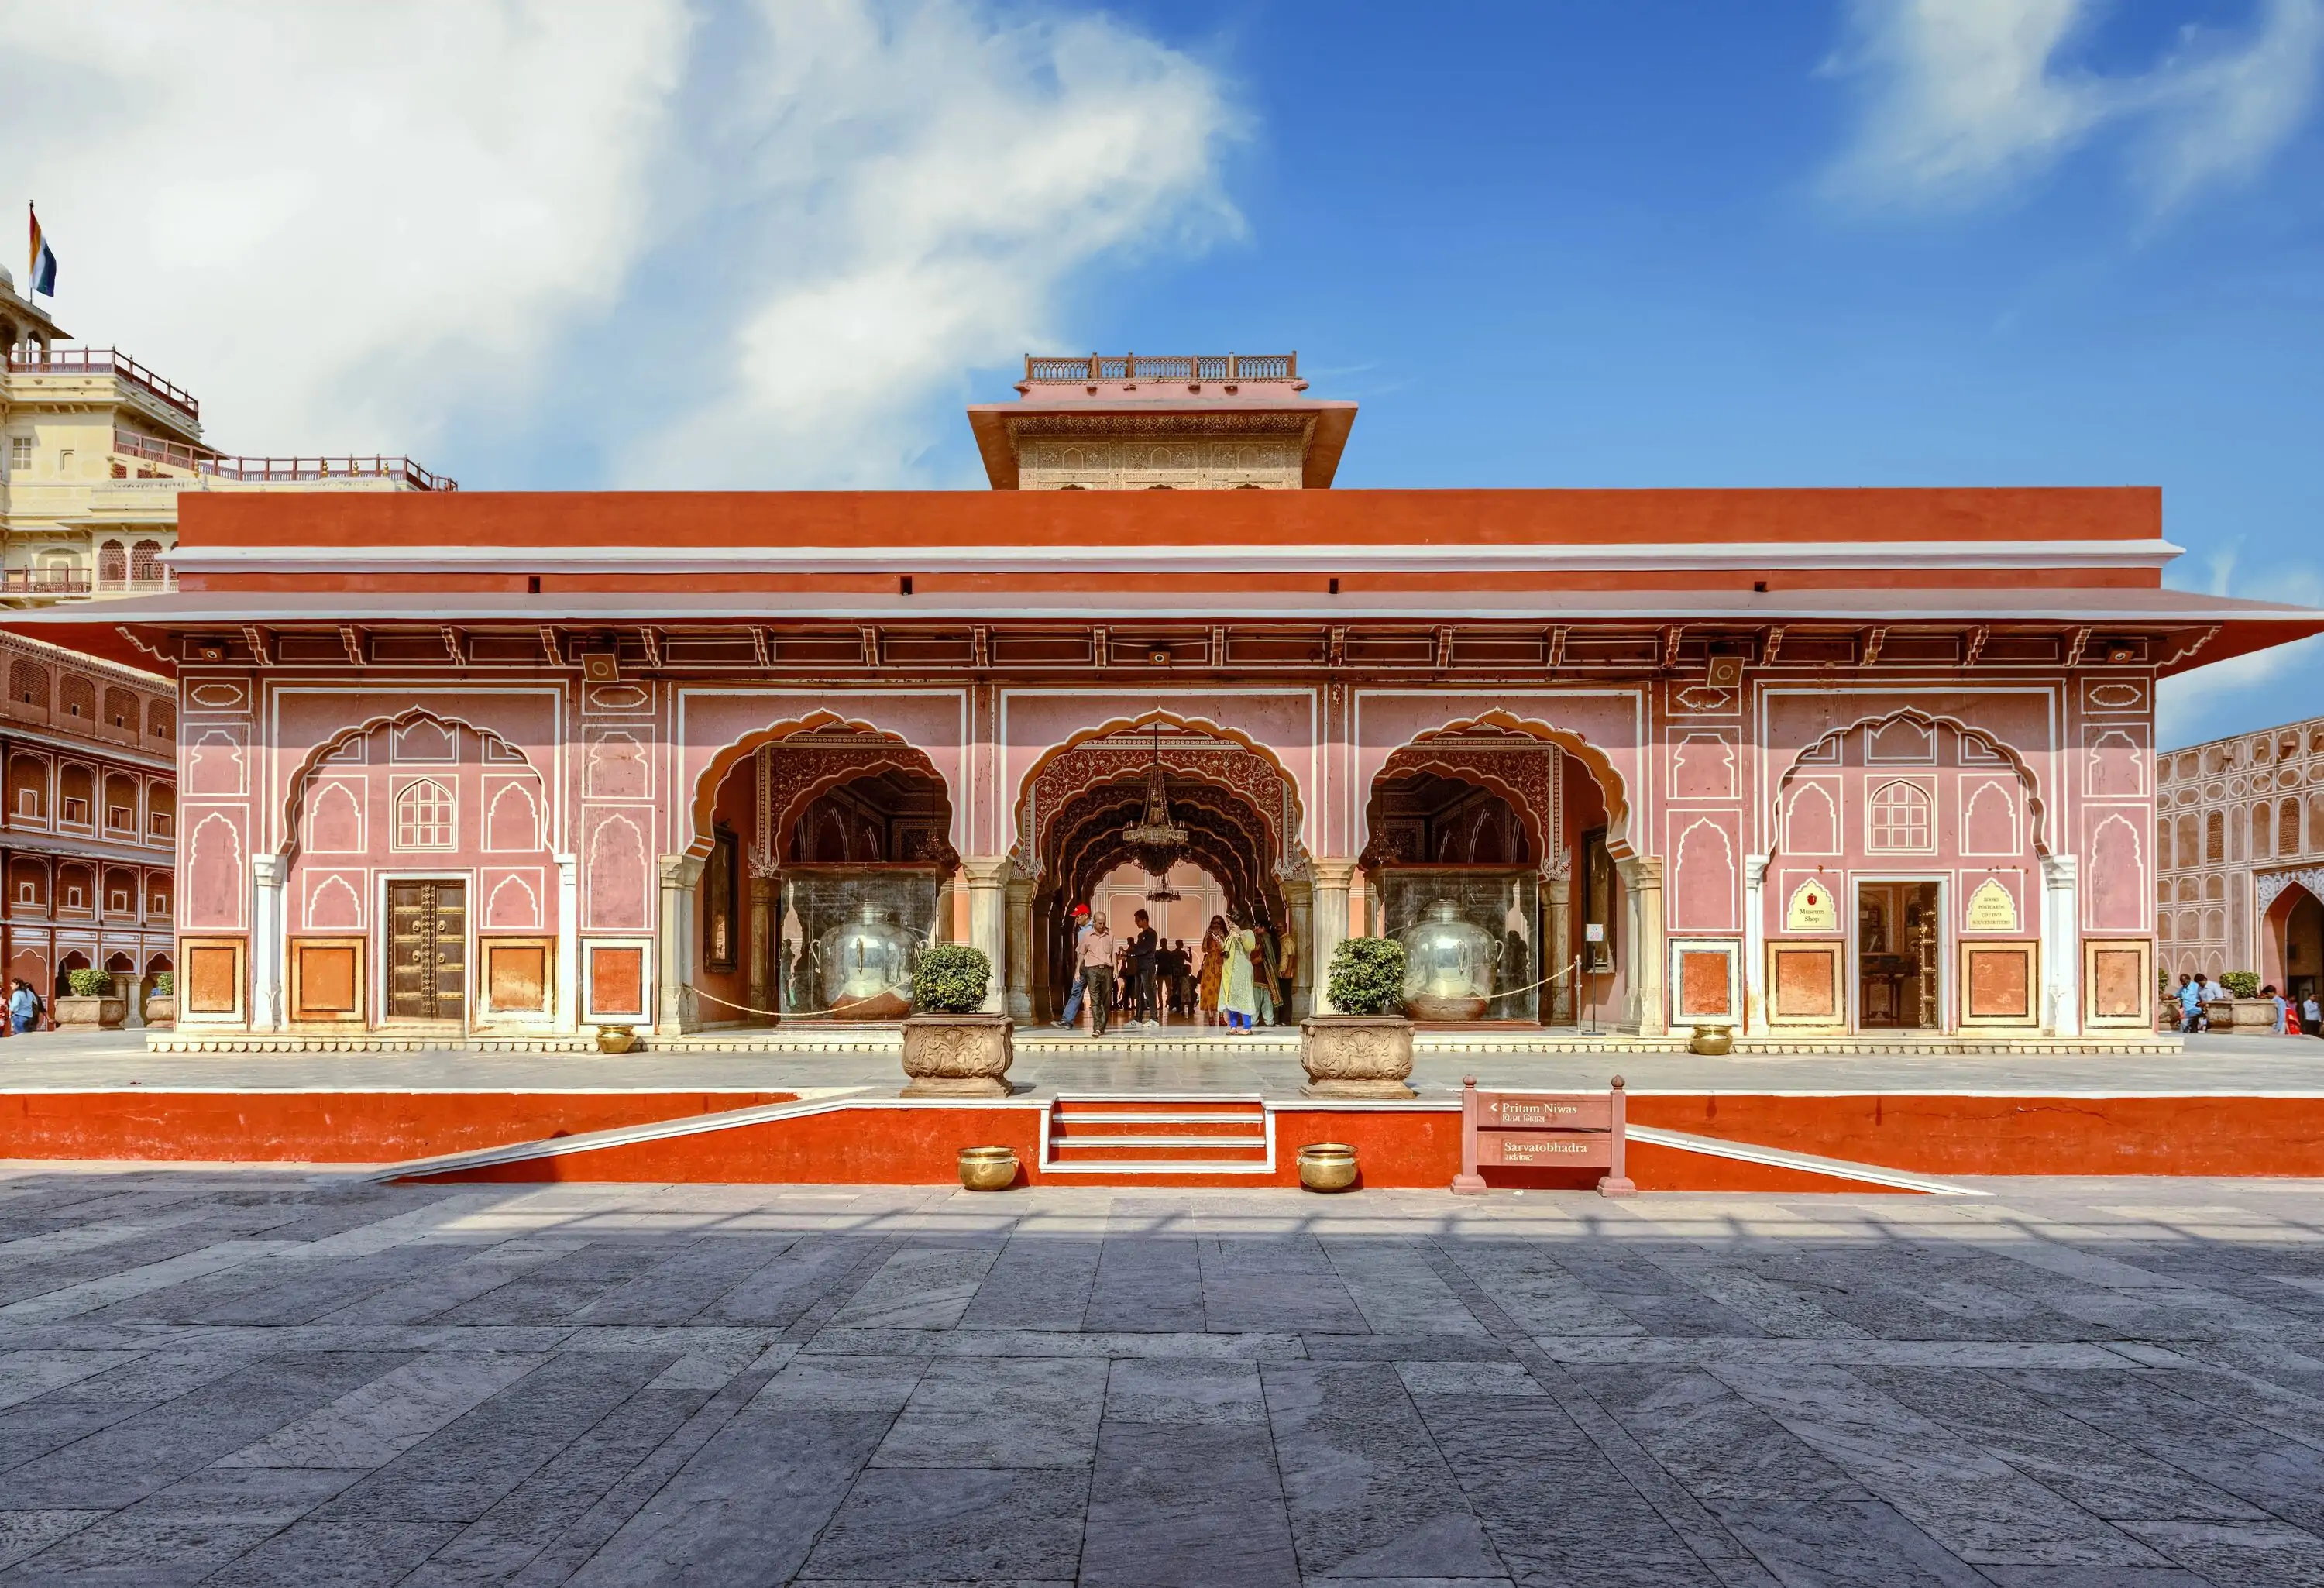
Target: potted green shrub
{"type": "Point", "coordinates": [89, 1002]}
{"type": "Point", "coordinates": [1363, 1049]}
{"type": "Point", "coordinates": [952, 1047]}
{"type": "Point", "coordinates": [162, 1002]}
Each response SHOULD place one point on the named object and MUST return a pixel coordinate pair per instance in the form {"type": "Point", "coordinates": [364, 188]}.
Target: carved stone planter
{"type": "Point", "coordinates": [87, 1014]}
{"type": "Point", "coordinates": [1356, 1055]}
{"type": "Point", "coordinates": [161, 1009]}
{"type": "Point", "coordinates": [958, 1055]}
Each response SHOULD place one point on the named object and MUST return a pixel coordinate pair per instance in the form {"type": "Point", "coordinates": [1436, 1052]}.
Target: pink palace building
{"type": "Point", "coordinates": [503, 766]}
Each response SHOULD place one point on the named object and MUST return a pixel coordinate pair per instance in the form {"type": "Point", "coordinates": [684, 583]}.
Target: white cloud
{"type": "Point", "coordinates": [719, 245]}
{"type": "Point", "coordinates": [921, 190]}
{"type": "Point", "coordinates": [326, 219]}
{"type": "Point", "coordinates": [1965, 100]}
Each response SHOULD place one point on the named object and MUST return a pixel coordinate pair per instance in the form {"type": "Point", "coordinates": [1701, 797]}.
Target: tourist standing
{"type": "Point", "coordinates": [2283, 1010]}
{"type": "Point", "coordinates": [1214, 964]}
{"type": "Point", "coordinates": [1095, 958]}
{"type": "Point", "coordinates": [1238, 999]}
{"type": "Point", "coordinates": [1286, 973]}
{"type": "Point", "coordinates": [1143, 945]}
{"type": "Point", "coordinates": [1081, 920]}
{"type": "Point", "coordinates": [1262, 973]}
{"type": "Point", "coordinates": [24, 1007]}
{"type": "Point", "coordinates": [2311, 1016]}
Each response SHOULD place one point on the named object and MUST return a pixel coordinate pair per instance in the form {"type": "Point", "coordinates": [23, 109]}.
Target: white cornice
{"type": "Point", "coordinates": [1182, 559]}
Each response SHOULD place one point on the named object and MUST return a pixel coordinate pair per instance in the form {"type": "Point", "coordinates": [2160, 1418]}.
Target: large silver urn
{"type": "Point", "coordinates": [1448, 965]}
{"type": "Point", "coordinates": [867, 966]}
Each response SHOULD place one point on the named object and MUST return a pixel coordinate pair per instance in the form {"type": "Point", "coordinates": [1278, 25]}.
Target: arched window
{"type": "Point", "coordinates": [2214, 838]}
{"type": "Point", "coordinates": [28, 683]}
{"type": "Point", "coordinates": [161, 719]}
{"type": "Point", "coordinates": [121, 709]}
{"type": "Point", "coordinates": [1900, 818]}
{"type": "Point", "coordinates": [2262, 818]}
{"type": "Point", "coordinates": [145, 562]}
{"type": "Point", "coordinates": [112, 564]}
{"type": "Point", "coordinates": [2287, 828]}
{"type": "Point", "coordinates": [77, 695]}
{"type": "Point", "coordinates": [423, 816]}
{"type": "Point", "coordinates": [2163, 844]}
{"type": "Point", "coordinates": [2189, 854]}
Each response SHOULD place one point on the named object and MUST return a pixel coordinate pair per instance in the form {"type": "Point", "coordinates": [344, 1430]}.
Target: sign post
{"type": "Point", "coordinates": [1533, 1130]}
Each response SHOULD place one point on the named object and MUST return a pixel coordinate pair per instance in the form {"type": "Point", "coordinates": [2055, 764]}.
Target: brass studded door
{"type": "Point", "coordinates": [428, 959]}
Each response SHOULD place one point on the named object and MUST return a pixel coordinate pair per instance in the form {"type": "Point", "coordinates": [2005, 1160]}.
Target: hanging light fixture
{"type": "Point", "coordinates": [1156, 842]}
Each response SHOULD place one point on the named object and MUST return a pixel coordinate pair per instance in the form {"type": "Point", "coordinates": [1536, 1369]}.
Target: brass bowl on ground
{"type": "Point", "coordinates": [1327, 1166]}
{"type": "Point", "coordinates": [1711, 1040]}
{"type": "Point", "coordinates": [616, 1039]}
{"type": "Point", "coordinates": [987, 1168]}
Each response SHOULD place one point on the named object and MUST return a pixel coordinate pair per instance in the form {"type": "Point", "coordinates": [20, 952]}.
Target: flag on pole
{"type": "Point", "coordinates": [45, 260]}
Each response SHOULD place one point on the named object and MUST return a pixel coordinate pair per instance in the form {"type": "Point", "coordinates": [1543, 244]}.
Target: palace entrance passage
{"type": "Point", "coordinates": [1239, 861]}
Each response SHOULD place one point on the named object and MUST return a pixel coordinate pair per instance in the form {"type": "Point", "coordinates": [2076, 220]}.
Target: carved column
{"type": "Point", "coordinates": [675, 1004]}
{"type": "Point", "coordinates": [1557, 948]}
{"type": "Point", "coordinates": [1020, 894]}
{"type": "Point", "coordinates": [266, 948]}
{"type": "Point", "coordinates": [1301, 897]}
{"type": "Point", "coordinates": [2061, 944]}
{"type": "Point", "coordinates": [1642, 881]}
{"type": "Point", "coordinates": [568, 943]}
{"type": "Point", "coordinates": [130, 987]}
{"type": "Point", "coordinates": [1755, 945]}
{"type": "Point", "coordinates": [988, 877]}
{"type": "Point", "coordinates": [940, 930]}
{"type": "Point", "coordinates": [1330, 893]}
{"type": "Point", "coordinates": [763, 948]}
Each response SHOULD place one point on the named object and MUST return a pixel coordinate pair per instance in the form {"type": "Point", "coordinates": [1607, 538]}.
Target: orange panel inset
{"type": "Point", "coordinates": [213, 978]}
{"type": "Point", "coordinates": [2120, 984]}
{"type": "Point", "coordinates": [517, 976]}
{"type": "Point", "coordinates": [1807, 984]}
{"type": "Point", "coordinates": [1703, 984]}
{"type": "Point", "coordinates": [2000, 982]}
{"type": "Point", "coordinates": [328, 975]}
{"type": "Point", "coordinates": [617, 977]}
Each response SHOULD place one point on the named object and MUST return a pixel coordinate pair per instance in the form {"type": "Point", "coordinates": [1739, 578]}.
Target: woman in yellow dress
{"type": "Point", "coordinates": [1214, 964]}
{"type": "Point", "coordinates": [1238, 994]}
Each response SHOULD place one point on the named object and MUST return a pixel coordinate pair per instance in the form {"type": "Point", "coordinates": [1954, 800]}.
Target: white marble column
{"type": "Point", "coordinates": [1018, 978]}
{"type": "Point", "coordinates": [1331, 904]}
{"type": "Point", "coordinates": [1301, 897]}
{"type": "Point", "coordinates": [267, 873]}
{"type": "Point", "coordinates": [1557, 951]}
{"type": "Point", "coordinates": [675, 1005]}
{"type": "Point", "coordinates": [2061, 944]}
{"type": "Point", "coordinates": [1755, 945]}
{"type": "Point", "coordinates": [988, 882]}
{"type": "Point", "coordinates": [1642, 883]}
{"type": "Point", "coordinates": [568, 943]}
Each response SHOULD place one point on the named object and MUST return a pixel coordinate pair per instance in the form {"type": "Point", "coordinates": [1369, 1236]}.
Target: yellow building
{"type": "Point", "coordinates": [94, 451]}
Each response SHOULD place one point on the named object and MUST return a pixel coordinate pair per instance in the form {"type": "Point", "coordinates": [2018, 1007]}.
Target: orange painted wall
{"type": "Point", "coordinates": [323, 1127]}
{"type": "Point", "coordinates": [1954, 1135]}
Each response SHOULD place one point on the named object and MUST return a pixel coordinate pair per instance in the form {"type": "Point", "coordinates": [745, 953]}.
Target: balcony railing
{"type": "Point", "coordinates": [44, 581]}
{"type": "Point", "coordinates": [45, 360]}
{"type": "Point", "coordinates": [1131, 367]}
{"type": "Point", "coordinates": [201, 460]}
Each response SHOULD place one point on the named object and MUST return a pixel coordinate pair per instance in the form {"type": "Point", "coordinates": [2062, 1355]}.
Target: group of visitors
{"type": "Point", "coordinates": [2295, 1016]}
{"type": "Point", "coordinates": [1243, 980]}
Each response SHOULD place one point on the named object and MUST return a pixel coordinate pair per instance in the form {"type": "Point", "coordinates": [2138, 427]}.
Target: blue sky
{"type": "Point", "coordinates": [1629, 243]}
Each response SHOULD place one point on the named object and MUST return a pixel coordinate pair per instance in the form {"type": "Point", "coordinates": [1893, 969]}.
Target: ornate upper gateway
{"type": "Point", "coordinates": [500, 766]}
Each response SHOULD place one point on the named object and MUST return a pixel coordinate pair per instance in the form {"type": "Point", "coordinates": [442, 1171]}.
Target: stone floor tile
{"type": "Point", "coordinates": [1168, 1391]}
{"type": "Point", "coordinates": [953, 1526]}
{"type": "Point", "coordinates": [1037, 1282]}
{"type": "Point", "coordinates": [1147, 1283]}
{"type": "Point", "coordinates": [329, 1554]}
{"type": "Point", "coordinates": [28, 1532]}
{"type": "Point", "coordinates": [918, 1287]}
{"type": "Point", "coordinates": [1186, 1504]}
{"type": "Point", "coordinates": [999, 1415]}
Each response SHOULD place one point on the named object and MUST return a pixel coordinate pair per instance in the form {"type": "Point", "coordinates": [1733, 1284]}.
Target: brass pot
{"type": "Point", "coordinates": [616, 1039]}
{"type": "Point", "coordinates": [1327, 1166]}
{"type": "Point", "coordinates": [987, 1168]}
{"type": "Point", "coordinates": [1711, 1040]}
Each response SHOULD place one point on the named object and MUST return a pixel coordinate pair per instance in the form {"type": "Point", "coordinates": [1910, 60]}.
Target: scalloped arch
{"type": "Point", "coordinates": [2035, 804]}
{"type": "Point", "coordinates": [1295, 839]}
{"type": "Point", "coordinates": [1602, 767]}
{"type": "Point", "coordinates": [908, 756]}
{"type": "Point", "coordinates": [296, 797]}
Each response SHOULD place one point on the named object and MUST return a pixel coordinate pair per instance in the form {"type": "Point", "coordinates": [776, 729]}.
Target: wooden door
{"type": "Point", "coordinates": [428, 950]}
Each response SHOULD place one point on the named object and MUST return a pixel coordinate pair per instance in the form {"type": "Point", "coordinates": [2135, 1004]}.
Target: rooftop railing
{"type": "Point", "coordinates": [44, 361]}
{"type": "Point", "coordinates": [44, 581]}
{"type": "Point", "coordinates": [200, 460]}
{"type": "Point", "coordinates": [1131, 367]}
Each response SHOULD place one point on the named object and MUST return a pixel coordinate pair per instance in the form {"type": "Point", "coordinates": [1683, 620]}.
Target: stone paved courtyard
{"type": "Point", "coordinates": [267, 1377]}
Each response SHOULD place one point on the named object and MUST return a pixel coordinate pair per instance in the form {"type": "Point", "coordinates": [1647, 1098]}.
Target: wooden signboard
{"type": "Point", "coordinates": [1536, 1130]}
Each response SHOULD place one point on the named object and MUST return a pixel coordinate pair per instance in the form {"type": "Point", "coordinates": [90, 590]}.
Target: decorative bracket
{"type": "Point", "coordinates": [650, 638]}
{"type": "Point", "coordinates": [1977, 636]}
{"type": "Point", "coordinates": [1556, 658]}
{"type": "Point", "coordinates": [2201, 639]}
{"type": "Point", "coordinates": [1671, 637]}
{"type": "Point", "coordinates": [352, 638]}
{"type": "Point", "coordinates": [2080, 644]}
{"type": "Point", "coordinates": [1872, 645]}
{"type": "Point", "coordinates": [454, 645]}
{"type": "Point", "coordinates": [551, 648]}
{"type": "Point", "coordinates": [260, 644]}
{"type": "Point", "coordinates": [763, 649]}
{"type": "Point", "coordinates": [1774, 646]}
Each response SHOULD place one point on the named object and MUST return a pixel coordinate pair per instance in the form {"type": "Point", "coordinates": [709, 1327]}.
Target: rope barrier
{"type": "Point", "coordinates": [780, 1014]}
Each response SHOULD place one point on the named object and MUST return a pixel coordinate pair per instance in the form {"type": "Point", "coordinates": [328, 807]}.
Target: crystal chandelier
{"type": "Point", "coordinates": [1156, 842]}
